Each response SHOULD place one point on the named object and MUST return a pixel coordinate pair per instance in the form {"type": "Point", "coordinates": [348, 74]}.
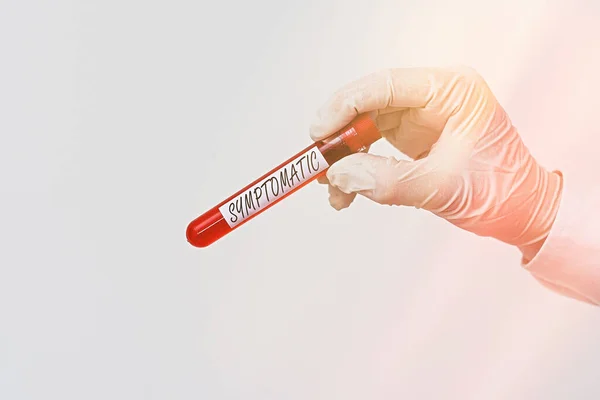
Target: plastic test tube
{"type": "Point", "coordinates": [281, 181]}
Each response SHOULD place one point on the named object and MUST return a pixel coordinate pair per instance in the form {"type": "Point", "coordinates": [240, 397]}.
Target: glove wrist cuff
{"type": "Point", "coordinates": [548, 206]}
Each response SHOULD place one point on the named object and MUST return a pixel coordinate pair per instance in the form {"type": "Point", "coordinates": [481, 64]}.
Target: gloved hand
{"type": "Point", "coordinates": [468, 165]}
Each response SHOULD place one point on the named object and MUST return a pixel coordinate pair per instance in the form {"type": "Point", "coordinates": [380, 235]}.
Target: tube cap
{"type": "Point", "coordinates": [360, 133]}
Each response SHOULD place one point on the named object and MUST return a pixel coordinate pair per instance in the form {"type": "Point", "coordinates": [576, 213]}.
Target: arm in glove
{"type": "Point", "coordinates": [468, 163]}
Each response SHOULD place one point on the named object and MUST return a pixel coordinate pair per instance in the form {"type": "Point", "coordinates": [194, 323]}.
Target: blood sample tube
{"type": "Point", "coordinates": [281, 181]}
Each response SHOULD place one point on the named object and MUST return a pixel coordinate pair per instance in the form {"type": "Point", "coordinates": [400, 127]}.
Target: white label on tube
{"type": "Point", "coordinates": [274, 186]}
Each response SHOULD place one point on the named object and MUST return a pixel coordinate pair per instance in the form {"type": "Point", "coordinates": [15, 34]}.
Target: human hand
{"type": "Point", "coordinates": [469, 164]}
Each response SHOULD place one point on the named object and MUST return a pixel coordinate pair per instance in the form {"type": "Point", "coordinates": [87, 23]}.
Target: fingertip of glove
{"type": "Point", "coordinates": [337, 206]}
{"type": "Point", "coordinates": [322, 128]}
{"type": "Point", "coordinates": [327, 122]}
{"type": "Point", "coordinates": [340, 202]}
{"type": "Point", "coordinates": [316, 132]}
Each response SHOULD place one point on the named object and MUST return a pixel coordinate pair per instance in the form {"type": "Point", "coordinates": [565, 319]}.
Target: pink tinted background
{"type": "Point", "coordinates": [122, 121]}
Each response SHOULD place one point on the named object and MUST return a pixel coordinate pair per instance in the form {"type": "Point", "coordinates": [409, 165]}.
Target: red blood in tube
{"type": "Point", "coordinates": [312, 161]}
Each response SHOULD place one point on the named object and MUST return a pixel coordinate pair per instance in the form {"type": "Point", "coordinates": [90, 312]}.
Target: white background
{"type": "Point", "coordinates": [121, 121]}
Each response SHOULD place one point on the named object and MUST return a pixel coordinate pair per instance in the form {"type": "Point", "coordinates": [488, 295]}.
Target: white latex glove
{"type": "Point", "coordinates": [469, 163]}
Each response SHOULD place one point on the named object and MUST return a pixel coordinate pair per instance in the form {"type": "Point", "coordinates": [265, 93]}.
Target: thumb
{"type": "Point", "coordinates": [386, 180]}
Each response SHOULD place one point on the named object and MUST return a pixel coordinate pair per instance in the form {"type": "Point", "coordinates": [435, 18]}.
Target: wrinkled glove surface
{"type": "Point", "coordinates": [469, 164]}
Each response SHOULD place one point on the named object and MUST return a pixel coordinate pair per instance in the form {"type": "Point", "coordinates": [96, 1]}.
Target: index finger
{"type": "Point", "coordinates": [391, 88]}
